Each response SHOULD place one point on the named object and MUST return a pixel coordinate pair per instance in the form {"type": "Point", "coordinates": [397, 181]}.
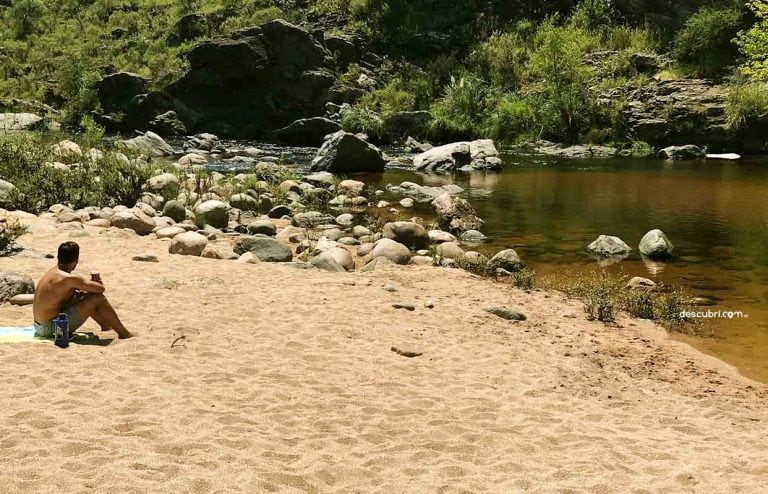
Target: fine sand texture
{"type": "Point", "coordinates": [283, 380]}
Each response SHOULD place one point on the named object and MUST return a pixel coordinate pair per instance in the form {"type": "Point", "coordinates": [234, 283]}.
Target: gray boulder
{"type": "Point", "coordinates": [507, 260]}
{"type": "Point", "coordinates": [244, 202]}
{"type": "Point", "coordinates": [13, 283]}
{"type": "Point", "coordinates": [307, 132]}
{"type": "Point", "coordinates": [150, 144]}
{"type": "Point", "coordinates": [19, 121]}
{"type": "Point", "coordinates": [607, 245]}
{"type": "Point", "coordinates": [165, 184]}
{"type": "Point", "coordinates": [311, 219]}
{"type": "Point", "coordinates": [262, 227]}
{"type": "Point", "coordinates": [175, 210]}
{"type": "Point", "coordinates": [394, 251]}
{"type": "Point", "coordinates": [326, 262]}
{"type": "Point", "coordinates": [188, 244]}
{"type": "Point", "coordinates": [167, 124]}
{"type": "Point", "coordinates": [213, 213]}
{"type": "Point", "coordinates": [689, 152]}
{"type": "Point", "coordinates": [455, 215]}
{"type": "Point", "coordinates": [134, 219]}
{"type": "Point", "coordinates": [343, 152]}
{"type": "Point", "coordinates": [466, 156]}
{"type": "Point", "coordinates": [407, 233]}
{"type": "Point", "coordinates": [264, 248]}
{"type": "Point", "coordinates": [656, 245]}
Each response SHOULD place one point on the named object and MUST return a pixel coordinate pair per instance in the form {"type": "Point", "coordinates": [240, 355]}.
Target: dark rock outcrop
{"type": "Point", "coordinates": [117, 91]}
{"type": "Point", "coordinates": [343, 152]}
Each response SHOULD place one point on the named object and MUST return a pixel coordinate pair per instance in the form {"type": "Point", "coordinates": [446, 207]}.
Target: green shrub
{"type": "Point", "coordinates": [511, 117]}
{"type": "Point", "coordinates": [461, 112]}
{"type": "Point", "coordinates": [501, 59]}
{"type": "Point", "coordinates": [641, 149]}
{"type": "Point", "coordinates": [747, 105]}
{"type": "Point", "coordinates": [593, 15]}
{"type": "Point", "coordinates": [524, 279]}
{"type": "Point", "coordinates": [359, 118]}
{"type": "Point", "coordinates": [10, 231]}
{"type": "Point", "coordinates": [753, 42]}
{"type": "Point", "coordinates": [705, 44]}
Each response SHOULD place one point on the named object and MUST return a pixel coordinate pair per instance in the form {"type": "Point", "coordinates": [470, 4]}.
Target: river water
{"type": "Point", "coordinates": [714, 212]}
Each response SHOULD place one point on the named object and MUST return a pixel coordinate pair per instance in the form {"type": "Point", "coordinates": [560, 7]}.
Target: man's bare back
{"type": "Point", "coordinates": [61, 291]}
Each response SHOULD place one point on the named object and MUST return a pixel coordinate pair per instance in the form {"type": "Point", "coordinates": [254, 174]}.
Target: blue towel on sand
{"type": "Point", "coordinates": [15, 335]}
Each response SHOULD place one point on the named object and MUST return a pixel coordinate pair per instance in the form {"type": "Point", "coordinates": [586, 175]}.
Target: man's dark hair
{"type": "Point", "coordinates": [69, 252]}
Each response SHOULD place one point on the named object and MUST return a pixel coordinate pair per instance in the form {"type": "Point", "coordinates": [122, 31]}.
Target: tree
{"type": "Point", "coordinates": [25, 14]}
{"type": "Point", "coordinates": [754, 42]}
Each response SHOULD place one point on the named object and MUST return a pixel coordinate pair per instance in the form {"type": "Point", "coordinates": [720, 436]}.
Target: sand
{"type": "Point", "coordinates": [285, 381]}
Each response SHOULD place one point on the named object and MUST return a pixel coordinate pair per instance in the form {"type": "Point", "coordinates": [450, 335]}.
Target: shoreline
{"type": "Point", "coordinates": [286, 379]}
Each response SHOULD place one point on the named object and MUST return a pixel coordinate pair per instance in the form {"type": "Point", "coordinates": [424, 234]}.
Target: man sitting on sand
{"type": "Point", "coordinates": [61, 291]}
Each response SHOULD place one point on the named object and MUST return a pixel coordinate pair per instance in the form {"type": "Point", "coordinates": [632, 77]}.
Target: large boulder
{"type": "Point", "coordinates": [344, 49]}
{"type": "Point", "coordinates": [165, 184]}
{"type": "Point", "coordinates": [150, 144]}
{"type": "Point", "coordinates": [189, 27]}
{"type": "Point", "coordinates": [188, 244]}
{"type": "Point", "coordinates": [455, 214]}
{"type": "Point", "coordinates": [343, 152]}
{"type": "Point", "coordinates": [394, 251]}
{"type": "Point", "coordinates": [213, 213]}
{"type": "Point", "coordinates": [134, 219]}
{"type": "Point", "coordinates": [307, 131]}
{"type": "Point", "coordinates": [67, 151]}
{"type": "Point", "coordinates": [506, 259]}
{"type": "Point", "coordinates": [116, 91]}
{"type": "Point", "coordinates": [607, 245]}
{"type": "Point", "coordinates": [244, 202]}
{"type": "Point", "coordinates": [19, 121]}
{"type": "Point", "coordinates": [6, 193]}
{"type": "Point", "coordinates": [407, 233]}
{"type": "Point", "coordinates": [167, 124]}
{"type": "Point", "coordinates": [253, 81]}
{"type": "Point", "coordinates": [12, 284]}
{"type": "Point", "coordinates": [656, 245]}
{"type": "Point", "coordinates": [264, 248]}
{"type": "Point", "coordinates": [687, 152]}
{"type": "Point", "coordinates": [175, 210]}
{"type": "Point", "coordinates": [466, 156]}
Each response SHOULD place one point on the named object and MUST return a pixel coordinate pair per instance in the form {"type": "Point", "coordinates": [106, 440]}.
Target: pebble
{"type": "Point", "coordinates": [507, 313]}
{"type": "Point", "coordinates": [429, 304]}
{"type": "Point", "coordinates": [147, 257]}
{"type": "Point", "coordinates": [403, 305]}
{"type": "Point", "coordinates": [389, 288]}
{"type": "Point", "coordinates": [406, 352]}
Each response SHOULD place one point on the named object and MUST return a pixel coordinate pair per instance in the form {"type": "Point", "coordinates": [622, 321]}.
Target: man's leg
{"type": "Point", "coordinates": [98, 307]}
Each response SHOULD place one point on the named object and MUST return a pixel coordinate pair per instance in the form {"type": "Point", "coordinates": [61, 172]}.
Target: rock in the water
{"type": "Point", "coordinates": [656, 245]}
{"type": "Point", "coordinates": [343, 152]}
{"type": "Point", "coordinates": [455, 214]}
{"type": "Point", "coordinates": [473, 237]}
{"type": "Point", "coordinates": [394, 251]}
{"type": "Point", "coordinates": [149, 143]}
{"type": "Point", "coordinates": [12, 284]}
{"type": "Point", "coordinates": [607, 245]}
{"type": "Point", "coordinates": [146, 257]}
{"type": "Point", "coordinates": [213, 213]}
{"type": "Point", "coordinates": [689, 152]}
{"type": "Point", "coordinates": [506, 259]}
{"type": "Point", "coordinates": [574, 152]}
{"type": "Point", "coordinates": [351, 188]}
{"type": "Point", "coordinates": [307, 132]}
{"type": "Point", "coordinates": [507, 313]}
{"type": "Point", "coordinates": [476, 155]}
{"type": "Point", "coordinates": [410, 234]}
{"type": "Point", "coordinates": [188, 244]}
{"type": "Point", "coordinates": [266, 249]}
{"type": "Point", "coordinates": [134, 219]}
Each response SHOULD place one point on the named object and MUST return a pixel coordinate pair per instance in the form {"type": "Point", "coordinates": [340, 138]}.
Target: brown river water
{"type": "Point", "coordinates": [714, 212]}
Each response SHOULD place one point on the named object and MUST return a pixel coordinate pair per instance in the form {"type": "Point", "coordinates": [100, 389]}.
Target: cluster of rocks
{"type": "Point", "coordinates": [653, 245]}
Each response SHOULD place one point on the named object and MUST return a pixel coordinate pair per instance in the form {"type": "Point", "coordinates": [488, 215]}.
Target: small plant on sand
{"type": "Point", "coordinates": [524, 279]}
{"type": "Point", "coordinates": [9, 232]}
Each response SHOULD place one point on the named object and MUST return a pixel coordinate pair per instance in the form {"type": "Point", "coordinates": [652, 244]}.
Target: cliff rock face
{"type": "Point", "coordinates": [679, 112]}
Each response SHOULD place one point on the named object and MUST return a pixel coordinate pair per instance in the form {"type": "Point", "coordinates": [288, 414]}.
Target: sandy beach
{"type": "Point", "coordinates": [283, 380]}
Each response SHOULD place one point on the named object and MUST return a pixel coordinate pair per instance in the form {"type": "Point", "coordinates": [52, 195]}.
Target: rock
{"type": "Point", "coordinates": [405, 306]}
{"type": "Point", "coordinates": [214, 251]}
{"type": "Point", "coordinates": [656, 245]}
{"type": "Point", "coordinates": [6, 193]}
{"type": "Point", "coordinates": [213, 213]}
{"type": "Point", "coordinates": [375, 264]}
{"type": "Point", "coordinates": [266, 249]}
{"type": "Point", "coordinates": [175, 210]}
{"type": "Point", "coordinates": [165, 184]}
{"type": "Point", "coordinates": [249, 258]}
{"type": "Point", "coordinates": [689, 152]}
{"type": "Point", "coordinates": [190, 27]}
{"type": "Point", "coordinates": [244, 202]}
{"type": "Point", "coordinates": [439, 236]}
{"type": "Point", "coordinates": [466, 156]}
{"type": "Point", "coordinates": [320, 178]}
{"type": "Point", "coordinates": [573, 152]}
{"type": "Point", "coordinates": [263, 227]}
{"type": "Point", "coordinates": [67, 151]}
{"type": "Point", "coordinates": [345, 219]}
{"type": "Point", "coordinates": [280, 211]}
{"type": "Point", "coordinates": [351, 188]}
{"type": "Point", "coordinates": [19, 121]}
{"type": "Point", "coordinates": [146, 257]}
{"type": "Point", "coordinates": [188, 244]}
{"type": "Point", "coordinates": [311, 219]}
{"type": "Point", "coordinates": [22, 299]}
{"type": "Point", "coordinates": [150, 144]}
{"type": "Point", "coordinates": [392, 250]}
{"type": "Point", "coordinates": [307, 132]}
{"type": "Point", "coordinates": [167, 124]}
{"type": "Point", "coordinates": [407, 233]}
{"type": "Point", "coordinates": [13, 283]}
{"type": "Point", "coordinates": [204, 141]}
{"type": "Point", "coordinates": [117, 91]}
{"type": "Point", "coordinates": [507, 260]}
{"type": "Point", "coordinates": [420, 260]}
{"type": "Point", "coordinates": [414, 146]}
{"type": "Point", "coordinates": [344, 49]}
{"type": "Point", "coordinates": [607, 245]}
{"type": "Point", "coordinates": [407, 202]}
{"type": "Point", "coordinates": [99, 223]}
{"type": "Point", "coordinates": [473, 237]}
{"type": "Point", "coordinates": [326, 262]}
{"type": "Point", "coordinates": [641, 283]}
{"type": "Point", "coordinates": [507, 313]}
{"type": "Point", "coordinates": [343, 152]}
{"type": "Point", "coordinates": [360, 231]}
{"type": "Point", "coordinates": [429, 304]}
{"type": "Point", "coordinates": [455, 214]}
{"type": "Point", "coordinates": [191, 159]}
{"type": "Point", "coordinates": [406, 352]}
{"type": "Point", "coordinates": [246, 70]}
{"type": "Point", "coordinates": [133, 219]}
{"type": "Point", "coordinates": [450, 250]}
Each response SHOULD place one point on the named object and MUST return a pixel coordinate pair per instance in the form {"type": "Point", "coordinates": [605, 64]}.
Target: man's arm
{"type": "Point", "coordinates": [85, 285]}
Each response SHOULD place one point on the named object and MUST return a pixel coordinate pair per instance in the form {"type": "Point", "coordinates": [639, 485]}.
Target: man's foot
{"type": "Point", "coordinates": [124, 335]}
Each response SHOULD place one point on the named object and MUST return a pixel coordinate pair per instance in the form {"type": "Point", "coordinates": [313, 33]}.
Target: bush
{"type": "Point", "coordinates": [359, 118]}
{"type": "Point", "coordinates": [593, 15]}
{"type": "Point", "coordinates": [753, 42]}
{"type": "Point", "coordinates": [501, 59]}
{"type": "Point", "coordinates": [747, 105]}
{"type": "Point", "coordinates": [511, 117]}
{"type": "Point", "coordinates": [9, 232]}
{"type": "Point", "coordinates": [705, 44]}
{"type": "Point", "coordinates": [461, 112]}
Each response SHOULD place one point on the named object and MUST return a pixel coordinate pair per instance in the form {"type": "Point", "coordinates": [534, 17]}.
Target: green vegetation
{"type": "Point", "coordinates": [9, 232]}
{"type": "Point", "coordinates": [705, 45]}
{"type": "Point", "coordinates": [747, 106]}
{"type": "Point", "coordinates": [754, 42]}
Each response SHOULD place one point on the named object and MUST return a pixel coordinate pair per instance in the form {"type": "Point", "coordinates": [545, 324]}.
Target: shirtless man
{"type": "Point", "coordinates": [61, 291]}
